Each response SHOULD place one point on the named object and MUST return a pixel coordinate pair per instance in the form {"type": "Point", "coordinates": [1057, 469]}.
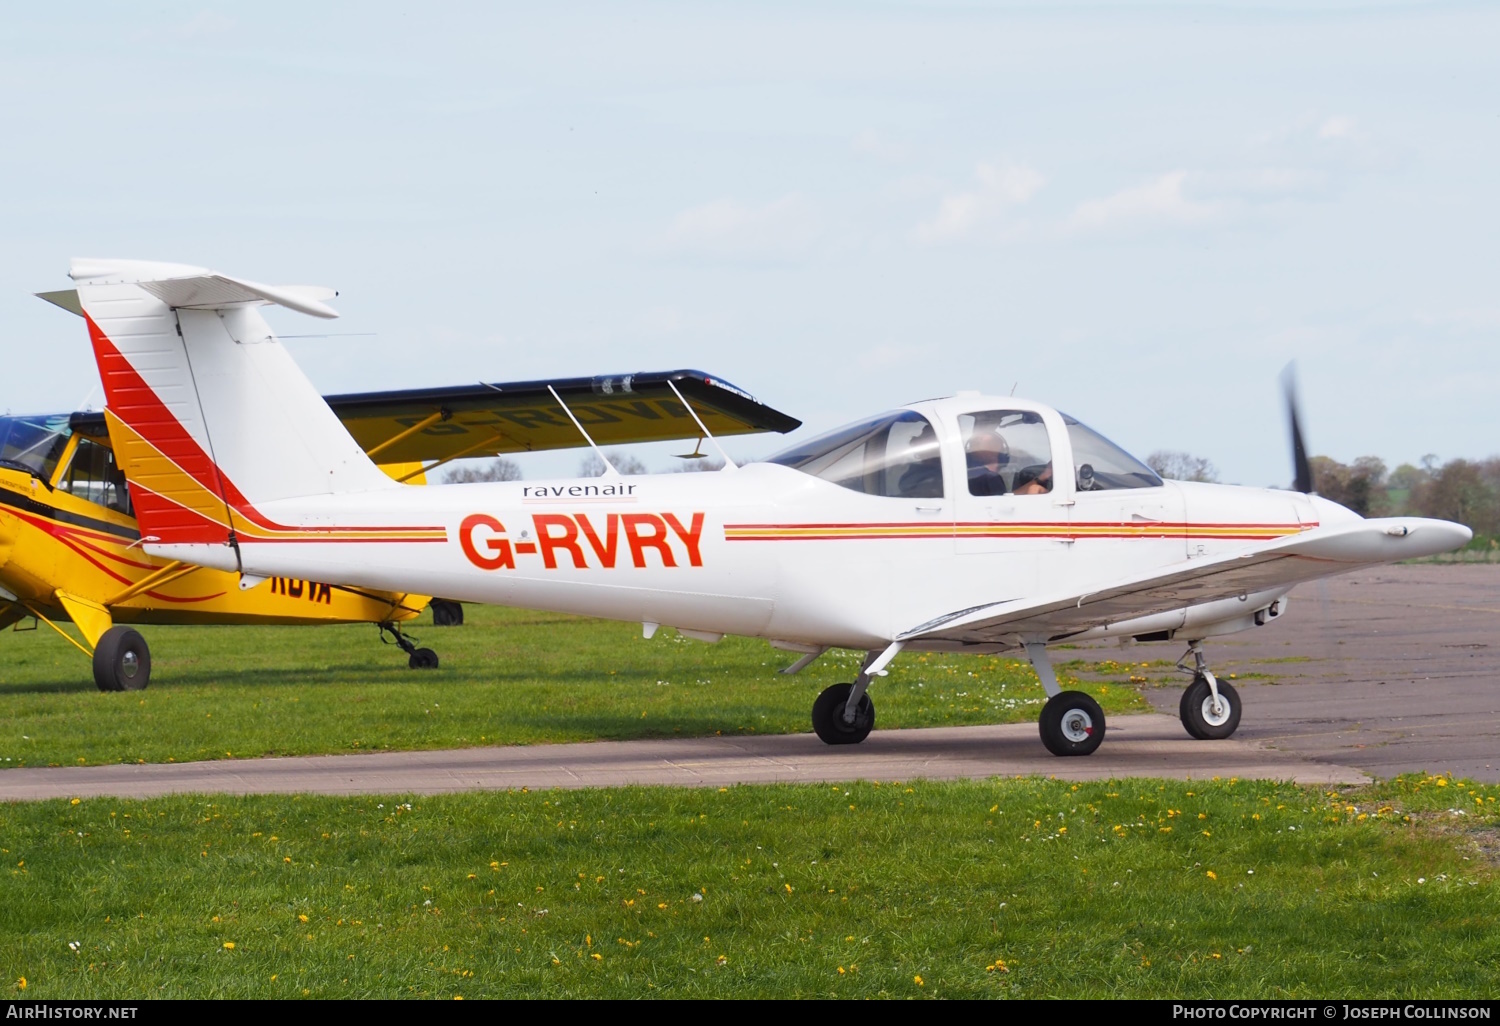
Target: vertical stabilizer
{"type": "Point", "coordinates": [209, 414]}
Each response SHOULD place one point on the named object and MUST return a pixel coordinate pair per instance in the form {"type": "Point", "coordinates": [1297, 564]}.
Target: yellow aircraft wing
{"type": "Point", "coordinates": [492, 419]}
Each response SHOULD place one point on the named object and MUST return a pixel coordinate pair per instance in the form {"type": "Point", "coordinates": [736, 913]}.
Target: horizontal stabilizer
{"type": "Point", "coordinates": [1321, 552]}
{"type": "Point", "coordinates": [194, 288]}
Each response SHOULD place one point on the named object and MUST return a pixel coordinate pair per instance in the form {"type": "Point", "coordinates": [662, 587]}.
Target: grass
{"type": "Point", "coordinates": [1024, 888]}
{"type": "Point", "coordinates": [507, 677]}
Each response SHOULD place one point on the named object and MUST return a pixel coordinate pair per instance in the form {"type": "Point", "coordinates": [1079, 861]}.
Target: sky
{"type": "Point", "coordinates": [1138, 213]}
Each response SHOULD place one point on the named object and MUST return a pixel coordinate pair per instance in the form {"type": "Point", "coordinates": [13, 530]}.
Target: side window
{"type": "Point", "coordinates": [1007, 451]}
{"type": "Point", "coordinates": [92, 476]}
{"type": "Point", "coordinates": [1102, 465]}
{"type": "Point", "coordinates": [895, 455]}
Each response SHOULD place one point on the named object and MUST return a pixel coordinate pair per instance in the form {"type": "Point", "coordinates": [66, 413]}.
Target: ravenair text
{"type": "Point", "coordinates": [584, 540]}
{"type": "Point", "coordinates": [613, 490]}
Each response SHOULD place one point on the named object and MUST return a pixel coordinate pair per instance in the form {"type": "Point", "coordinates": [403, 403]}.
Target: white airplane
{"type": "Point", "coordinates": [971, 524]}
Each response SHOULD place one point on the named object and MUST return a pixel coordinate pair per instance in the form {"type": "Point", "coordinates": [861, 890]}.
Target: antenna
{"type": "Point", "coordinates": [729, 464]}
{"type": "Point", "coordinates": [1014, 387]}
{"type": "Point", "coordinates": [609, 468]}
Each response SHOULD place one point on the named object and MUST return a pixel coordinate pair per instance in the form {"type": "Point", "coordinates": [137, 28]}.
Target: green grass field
{"type": "Point", "coordinates": [972, 889]}
{"type": "Point", "coordinates": [507, 677]}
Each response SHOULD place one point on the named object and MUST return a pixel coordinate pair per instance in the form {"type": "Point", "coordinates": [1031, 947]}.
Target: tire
{"type": "Point", "coordinates": [1072, 724]}
{"type": "Point", "coordinates": [423, 659]}
{"type": "Point", "coordinates": [828, 719]}
{"type": "Point", "coordinates": [122, 661]}
{"type": "Point", "coordinates": [446, 613]}
{"type": "Point", "coordinates": [1197, 715]}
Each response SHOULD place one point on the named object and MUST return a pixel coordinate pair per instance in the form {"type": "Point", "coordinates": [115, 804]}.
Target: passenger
{"type": "Point", "coordinates": [987, 453]}
{"type": "Point", "coordinates": [1035, 480]}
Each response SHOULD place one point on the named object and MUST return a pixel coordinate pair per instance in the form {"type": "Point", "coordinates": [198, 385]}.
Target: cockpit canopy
{"type": "Point", "coordinates": [1002, 450]}
{"type": "Point", "coordinates": [34, 444]}
{"type": "Point", "coordinates": [68, 453]}
{"type": "Point", "coordinates": [894, 454]}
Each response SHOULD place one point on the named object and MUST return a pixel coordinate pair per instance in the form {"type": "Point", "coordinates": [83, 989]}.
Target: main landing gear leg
{"type": "Point", "coordinates": [843, 713]}
{"type": "Point", "coordinates": [1071, 723]}
{"type": "Point", "coordinates": [1210, 708]}
{"type": "Point", "coordinates": [418, 658]}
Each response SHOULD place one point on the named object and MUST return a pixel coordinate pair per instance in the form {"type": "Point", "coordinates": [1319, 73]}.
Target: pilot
{"type": "Point", "coordinates": [986, 453]}
{"type": "Point", "coordinates": [1035, 480]}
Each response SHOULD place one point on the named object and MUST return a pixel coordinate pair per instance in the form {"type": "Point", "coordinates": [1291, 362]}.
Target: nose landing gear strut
{"type": "Point", "coordinates": [1210, 708]}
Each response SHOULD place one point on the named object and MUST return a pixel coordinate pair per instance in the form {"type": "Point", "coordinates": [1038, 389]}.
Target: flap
{"type": "Point", "coordinates": [1321, 552]}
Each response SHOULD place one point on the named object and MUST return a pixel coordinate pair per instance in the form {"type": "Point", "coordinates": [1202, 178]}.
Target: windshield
{"type": "Point", "coordinates": [34, 443]}
{"type": "Point", "coordinates": [1101, 464]}
{"type": "Point", "coordinates": [895, 455]}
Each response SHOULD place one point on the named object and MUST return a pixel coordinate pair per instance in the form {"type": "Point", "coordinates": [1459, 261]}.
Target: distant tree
{"type": "Point", "coordinates": [1458, 491]}
{"type": "Point", "coordinates": [1361, 485]}
{"type": "Point", "coordinates": [500, 469]}
{"type": "Point", "coordinates": [698, 466]}
{"type": "Point", "coordinates": [1181, 466]}
{"type": "Point", "coordinates": [592, 466]}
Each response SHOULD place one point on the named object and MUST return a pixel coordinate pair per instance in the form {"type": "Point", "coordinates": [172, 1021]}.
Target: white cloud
{"type": "Point", "coordinates": [1337, 128]}
{"type": "Point", "coordinates": [999, 187]}
{"type": "Point", "coordinates": [731, 230]}
{"type": "Point", "coordinates": [1159, 202]}
{"type": "Point", "coordinates": [870, 143]}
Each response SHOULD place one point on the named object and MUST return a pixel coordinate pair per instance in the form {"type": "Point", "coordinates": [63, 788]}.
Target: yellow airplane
{"type": "Point", "coordinates": [70, 549]}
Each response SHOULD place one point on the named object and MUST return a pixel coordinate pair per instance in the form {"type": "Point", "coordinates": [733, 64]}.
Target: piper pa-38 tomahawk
{"type": "Point", "coordinates": [973, 523]}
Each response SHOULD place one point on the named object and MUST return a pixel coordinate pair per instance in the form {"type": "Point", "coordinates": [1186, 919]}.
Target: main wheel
{"type": "Point", "coordinates": [1201, 719]}
{"type": "Point", "coordinates": [122, 662]}
{"type": "Point", "coordinates": [828, 716]}
{"type": "Point", "coordinates": [446, 614]}
{"type": "Point", "coordinates": [1072, 724]}
{"type": "Point", "coordinates": [423, 659]}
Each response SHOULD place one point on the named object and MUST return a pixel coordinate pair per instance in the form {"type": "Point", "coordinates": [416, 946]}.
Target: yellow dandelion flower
{"type": "Point", "coordinates": [1212, 875]}
{"type": "Point", "coordinates": [74, 801]}
{"type": "Point", "coordinates": [597, 957]}
{"type": "Point", "coordinates": [229, 945]}
{"type": "Point", "coordinates": [301, 918]}
{"type": "Point", "coordinates": [841, 973]}
{"type": "Point", "coordinates": [918, 981]}
{"type": "Point", "coordinates": [21, 983]}
{"type": "Point", "coordinates": [788, 888]}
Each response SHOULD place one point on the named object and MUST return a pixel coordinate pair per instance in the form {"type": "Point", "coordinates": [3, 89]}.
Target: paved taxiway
{"type": "Point", "coordinates": [1397, 671]}
{"type": "Point", "coordinates": [1390, 671]}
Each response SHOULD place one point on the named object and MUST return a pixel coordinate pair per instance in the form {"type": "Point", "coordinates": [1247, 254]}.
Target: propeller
{"type": "Point", "coordinates": [1301, 467]}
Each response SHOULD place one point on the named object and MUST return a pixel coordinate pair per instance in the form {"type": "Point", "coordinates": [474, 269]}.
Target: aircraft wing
{"type": "Point", "coordinates": [493, 419]}
{"type": "Point", "coordinates": [1321, 552]}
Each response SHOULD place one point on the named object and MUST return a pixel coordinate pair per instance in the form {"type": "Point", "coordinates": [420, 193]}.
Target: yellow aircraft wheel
{"type": "Point", "coordinates": [122, 661]}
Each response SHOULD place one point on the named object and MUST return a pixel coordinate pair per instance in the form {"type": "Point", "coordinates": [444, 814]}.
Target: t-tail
{"type": "Point", "coordinates": [210, 416]}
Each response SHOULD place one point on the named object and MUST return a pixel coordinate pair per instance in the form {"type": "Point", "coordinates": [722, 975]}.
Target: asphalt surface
{"type": "Point", "coordinates": [1148, 745]}
{"type": "Point", "coordinates": [1397, 671]}
{"type": "Point", "coordinates": [1370, 675]}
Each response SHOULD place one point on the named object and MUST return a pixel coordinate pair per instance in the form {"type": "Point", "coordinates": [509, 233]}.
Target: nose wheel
{"type": "Point", "coordinates": [1210, 707]}
{"type": "Point", "coordinates": [1206, 716]}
